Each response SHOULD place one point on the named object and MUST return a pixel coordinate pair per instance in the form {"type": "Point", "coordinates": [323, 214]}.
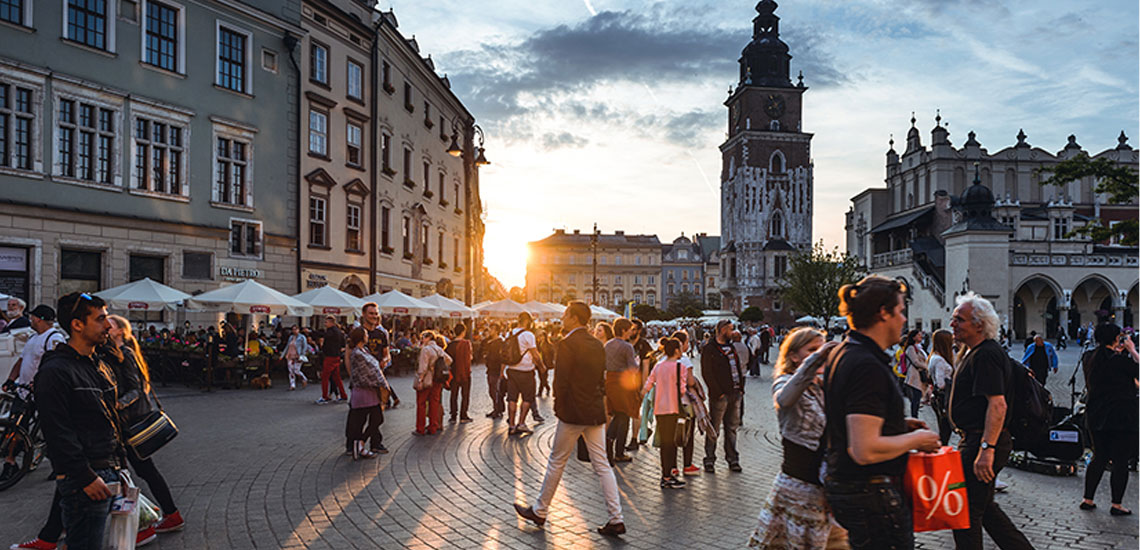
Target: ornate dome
{"type": "Point", "coordinates": [977, 201]}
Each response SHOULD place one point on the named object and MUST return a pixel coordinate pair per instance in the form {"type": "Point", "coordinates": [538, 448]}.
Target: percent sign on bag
{"type": "Point", "coordinates": [944, 496]}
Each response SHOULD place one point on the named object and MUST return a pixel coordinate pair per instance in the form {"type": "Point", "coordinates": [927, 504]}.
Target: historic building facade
{"type": "Point", "coordinates": [131, 147]}
{"type": "Point", "coordinates": [428, 215]}
{"type": "Point", "coordinates": [561, 267]}
{"type": "Point", "coordinates": [766, 176]}
{"type": "Point", "coordinates": [336, 148]}
{"type": "Point", "coordinates": [682, 270]}
{"type": "Point", "coordinates": [956, 218]}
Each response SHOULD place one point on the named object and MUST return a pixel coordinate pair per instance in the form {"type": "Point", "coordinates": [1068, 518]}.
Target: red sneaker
{"type": "Point", "coordinates": [692, 470]}
{"type": "Point", "coordinates": [146, 536]}
{"type": "Point", "coordinates": [34, 544]}
{"type": "Point", "coordinates": [172, 522]}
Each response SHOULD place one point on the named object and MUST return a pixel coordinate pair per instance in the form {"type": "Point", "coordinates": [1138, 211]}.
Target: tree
{"type": "Point", "coordinates": [1117, 181]}
{"type": "Point", "coordinates": [752, 314]}
{"type": "Point", "coordinates": [517, 294]}
{"type": "Point", "coordinates": [811, 284]}
{"type": "Point", "coordinates": [646, 312]}
{"type": "Point", "coordinates": [685, 304]}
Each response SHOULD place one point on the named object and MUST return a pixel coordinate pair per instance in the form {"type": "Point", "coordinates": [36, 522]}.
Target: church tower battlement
{"type": "Point", "coordinates": [766, 174]}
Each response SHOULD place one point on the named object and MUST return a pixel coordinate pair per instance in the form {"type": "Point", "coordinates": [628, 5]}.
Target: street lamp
{"type": "Point", "coordinates": [594, 250]}
{"type": "Point", "coordinates": [456, 151]}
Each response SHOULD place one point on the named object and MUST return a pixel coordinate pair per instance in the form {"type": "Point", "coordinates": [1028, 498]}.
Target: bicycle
{"type": "Point", "coordinates": [20, 436]}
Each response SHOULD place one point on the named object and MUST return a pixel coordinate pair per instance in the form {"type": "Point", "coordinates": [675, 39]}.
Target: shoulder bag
{"type": "Point", "coordinates": [682, 432]}
{"type": "Point", "coordinates": [151, 432]}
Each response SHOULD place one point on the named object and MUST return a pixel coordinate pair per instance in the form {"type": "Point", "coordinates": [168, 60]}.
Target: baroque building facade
{"type": "Point", "coordinates": [766, 176]}
{"type": "Point", "coordinates": [132, 147]}
{"type": "Point", "coordinates": [952, 219]}
{"type": "Point", "coordinates": [562, 267]}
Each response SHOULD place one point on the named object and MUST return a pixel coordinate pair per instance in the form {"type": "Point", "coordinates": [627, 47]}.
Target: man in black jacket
{"type": "Point", "coordinates": [75, 396]}
{"type": "Point", "coordinates": [723, 372]}
{"type": "Point", "coordinates": [579, 404]}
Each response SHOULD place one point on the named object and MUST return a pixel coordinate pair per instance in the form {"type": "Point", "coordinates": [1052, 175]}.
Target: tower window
{"type": "Point", "coordinates": [776, 164]}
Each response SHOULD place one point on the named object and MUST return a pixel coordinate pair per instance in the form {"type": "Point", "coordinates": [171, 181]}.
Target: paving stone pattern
{"type": "Point", "coordinates": [266, 469]}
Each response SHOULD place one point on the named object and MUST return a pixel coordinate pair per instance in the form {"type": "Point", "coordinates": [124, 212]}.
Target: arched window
{"type": "Point", "coordinates": [777, 229]}
{"type": "Point", "coordinates": [776, 163]}
{"type": "Point", "coordinates": [774, 126]}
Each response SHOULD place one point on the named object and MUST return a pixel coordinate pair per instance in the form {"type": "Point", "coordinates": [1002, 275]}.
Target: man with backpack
{"type": "Point", "coordinates": [521, 356]}
{"type": "Point", "coordinates": [979, 395]}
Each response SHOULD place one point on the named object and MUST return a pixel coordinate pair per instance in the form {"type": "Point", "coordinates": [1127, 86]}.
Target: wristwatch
{"type": "Point", "coordinates": [986, 446]}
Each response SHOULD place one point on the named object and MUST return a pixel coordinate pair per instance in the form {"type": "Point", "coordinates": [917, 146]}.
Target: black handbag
{"type": "Point", "coordinates": [682, 432]}
{"type": "Point", "coordinates": [152, 432]}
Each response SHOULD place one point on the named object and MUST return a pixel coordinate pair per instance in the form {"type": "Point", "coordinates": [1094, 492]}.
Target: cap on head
{"type": "Point", "coordinates": [44, 312]}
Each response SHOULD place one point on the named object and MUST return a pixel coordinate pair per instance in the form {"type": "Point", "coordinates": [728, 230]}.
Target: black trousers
{"type": "Point", "coordinates": [493, 375]}
{"type": "Point", "coordinates": [146, 469]}
{"type": "Point", "coordinates": [458, 387]}
{"type": "Point", "coordinates": [938, 402]}
{"type": "Point", "coordinates": [54, 527]}
{"type": "Point", "coordinates": [618, 431]}
{"type": "Point", "coordinates": [876, 513]}
{"type": "Point", "coordinates": [1117, 447]}
{"type": "Point", "coordinates": [984, 512]}
{"type": "Point", "coordinates": [364, 425]}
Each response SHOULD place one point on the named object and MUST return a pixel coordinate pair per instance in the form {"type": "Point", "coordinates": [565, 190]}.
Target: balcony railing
{"type": "Point", "coordinates": [892, 258]}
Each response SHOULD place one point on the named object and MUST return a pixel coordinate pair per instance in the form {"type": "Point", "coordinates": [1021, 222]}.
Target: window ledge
{"type": "Point", "coordinates": [320, 84]}
{"type": "Point", "coordinates": [319, 247]}
{"type": "Point", "coordinates": [21, 172]}
{"type": "Point", "coordinates": [85, 183]}
{"type": "Point", "coordinates": [389, 88]}
{"type": "Point", "coordinates": [354, 252]}
{"type": "Point", "coordinates": [319, 156]}
{"type": "Point", "coordinates": [355, 167]}
{"type": "Point", "coordinates": [17, 26]}
{"type": "Point", "coordinates": [228, 206]}
{"type": "Point", "coordinates": [157, 195]}
{"type": "Point", "coordinates": [160, 70]}
{"type": "Point", "coordinates": [91, 49]}
{"type": "Point", "coordinates": [387, 171]}
{"type": "Point", "coordinates": [244, 257]}
{"type": "Point", "coordinates": [357, 100]}
{"type": "Point", "coordinates": [235, 92]}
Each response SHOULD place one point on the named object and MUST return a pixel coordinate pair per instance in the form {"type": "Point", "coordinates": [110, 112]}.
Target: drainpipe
{"type": "Point", "coordinates": [291, 43]}
{"type": "Point", "coordinates": [373, 181]}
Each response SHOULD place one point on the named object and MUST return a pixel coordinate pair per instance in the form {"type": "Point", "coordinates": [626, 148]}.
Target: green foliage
{"type": "Point", "coordinates": [646, 312]}
{"type": "Point", "coordinates": [685, 304]}
{"type": "Point", "coordinates": [1117, 181]}
{"type": "Point", "coordinates": [811, 284]}
{"type": "Point", "coordinates": [752, 314]}
{"type": "Point", "coordinates": [517, 294]}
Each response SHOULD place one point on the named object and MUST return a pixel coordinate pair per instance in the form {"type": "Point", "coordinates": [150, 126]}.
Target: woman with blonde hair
{"type": "Point", "coordinates": [796, 513]}
{"type": "Point", "coordinates": [136, 401]}
{"type": "Point", "coordinates": [429, 392]}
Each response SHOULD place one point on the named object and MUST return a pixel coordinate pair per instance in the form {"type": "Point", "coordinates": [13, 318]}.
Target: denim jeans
{"type": "Point", "coordinates": [724, 410]}
{"type": "Point", "coordinates": [85, 520]}
{"type": "Point", "coordinates": [876, 515]}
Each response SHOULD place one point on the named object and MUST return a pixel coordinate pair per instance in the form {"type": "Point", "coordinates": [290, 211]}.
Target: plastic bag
{"type": "Point", "coordinates": [937, 488]}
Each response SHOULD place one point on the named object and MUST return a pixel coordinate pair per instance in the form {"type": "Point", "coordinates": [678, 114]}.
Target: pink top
{"type": "Point", "coordinates": [664, 377]}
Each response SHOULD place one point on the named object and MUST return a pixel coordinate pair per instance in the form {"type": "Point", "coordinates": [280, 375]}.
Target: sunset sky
{"type": "Point", "coordinates": [610, 111]}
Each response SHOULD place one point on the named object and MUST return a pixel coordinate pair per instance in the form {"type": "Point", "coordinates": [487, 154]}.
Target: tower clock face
{"type": "Point", "coordinates": [774, 106]}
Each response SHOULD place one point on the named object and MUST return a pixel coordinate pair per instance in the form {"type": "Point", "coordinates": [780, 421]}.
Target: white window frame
{"type": "Point", "coordinates": [16, 78]}
{"type": "Point", "coordinates": [349, 64]}
{"type": "Point", "coordinates": [248, 76]}
{"type": "Point", "coordinates": [233, 130]}
{"type": "Point", "coordinates": [359, 145]}
{"type": "Point", "coordinates": [321, 218]}
{"type": "Point", "coordinates": [351, 226]}
{"type": "Point", "coordinates": [317, 71]}
{"type": "Point", "coordinates": [27, 15]}
{"type": "Point", "coordinates": [158, 113]}
{"type": "Point", "coordinates": [111, 24]}
{"type": "Point", "coordinates": [322, 135]}
{"type": "Point", "coordinates": [180, 59]}
{"type": "Point", "coordinates": [260, 240]}
{"type": "Point", "coordinates": [74, 90]}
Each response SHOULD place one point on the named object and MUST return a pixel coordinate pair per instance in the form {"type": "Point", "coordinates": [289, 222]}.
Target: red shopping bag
{"type": "Point", "coordinates": [937, 489]}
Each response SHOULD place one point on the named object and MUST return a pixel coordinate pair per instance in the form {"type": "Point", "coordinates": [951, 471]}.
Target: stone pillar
{"type": "Point", "coordinates": [1063, 313]}
{"type": "Point", "coordinates": [1118, 310]}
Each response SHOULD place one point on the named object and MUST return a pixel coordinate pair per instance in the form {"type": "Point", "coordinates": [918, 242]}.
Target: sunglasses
{"type": "Point", "coordinates": [83, 296]}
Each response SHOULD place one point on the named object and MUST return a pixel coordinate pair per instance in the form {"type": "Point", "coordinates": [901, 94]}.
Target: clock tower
{"type": "Point", "coordinates": [766, 174]}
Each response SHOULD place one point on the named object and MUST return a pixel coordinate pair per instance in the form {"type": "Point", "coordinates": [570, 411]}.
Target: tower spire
{"type": "Point", "coordinates": [766, 59]}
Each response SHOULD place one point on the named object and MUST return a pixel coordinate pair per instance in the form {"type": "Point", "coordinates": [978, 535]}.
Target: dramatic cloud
{"type": "Point", "coordinates": [561, 140]}
{"type": "Point", "coordinates": [544, 72]}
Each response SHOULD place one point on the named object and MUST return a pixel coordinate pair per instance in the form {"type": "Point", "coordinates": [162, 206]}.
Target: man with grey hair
{"type": "Point", "coordinates": [978, 413]}
{"type": "Point", "coordinates": [15, 315]}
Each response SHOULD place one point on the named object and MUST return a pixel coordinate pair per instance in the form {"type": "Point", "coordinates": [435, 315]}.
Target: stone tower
{"type": "Point", "coordinates": [766, 175]}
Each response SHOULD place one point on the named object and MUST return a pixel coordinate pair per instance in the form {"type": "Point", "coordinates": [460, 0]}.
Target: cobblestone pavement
{"type": "Point", "coordinates": [266, 469]}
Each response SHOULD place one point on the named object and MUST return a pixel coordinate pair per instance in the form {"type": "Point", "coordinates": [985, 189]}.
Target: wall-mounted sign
{"type": "Point", "coordinates": [316, 280]}
{"type": "Point", "coordinates": [238, 274]}
{"type": "Point", "coordinates": [13, 259]}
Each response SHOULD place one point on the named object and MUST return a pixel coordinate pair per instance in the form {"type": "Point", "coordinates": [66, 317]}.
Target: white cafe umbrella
{"type": "Point", "coordinates": [449, 308]}
{"type": "Point", "coordinates": [143, 295]}
{"type": "Point", "coordinates": [503, 309]}
{"type": "Point", "coordinates": [599, 312]}
{"type": "Point", "coordinates": [249, 297]}
{"type": "Point", "coordinates": [327, 300]}
{"type": "Point", "coordinates": [559, 307]}
{"type": "Point", "coordinates": [398, 303]}
{"type": "Point", "coordinates": [541, 310]}
{"type": "Point", "coordinates": [809, 319]}
{"type": "Point", "coordinates": [480, 304]}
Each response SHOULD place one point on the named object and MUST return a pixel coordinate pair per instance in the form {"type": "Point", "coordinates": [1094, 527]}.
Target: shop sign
{"type": "Point", "coordinates": [13, 259]}
{"type": "Point", "coordinates": [400, 310]}
{"type": "Point", "coordinates": [331, 311]}
{"type": "Point", "coordinates": [238, 274]}
{"type": "Point", "coordinates": [316, 280]}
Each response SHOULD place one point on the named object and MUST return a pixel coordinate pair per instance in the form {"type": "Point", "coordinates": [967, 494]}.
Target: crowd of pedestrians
{"type": "Point", "coordinates": [841, 406]}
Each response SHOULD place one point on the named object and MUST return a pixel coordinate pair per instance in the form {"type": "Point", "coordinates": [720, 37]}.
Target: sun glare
{"type": "Point", "coordinates": [506, 254]}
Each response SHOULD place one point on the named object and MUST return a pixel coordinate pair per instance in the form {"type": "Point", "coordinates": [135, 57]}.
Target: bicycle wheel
{"type": "Point", "coordinates": [16, 443]}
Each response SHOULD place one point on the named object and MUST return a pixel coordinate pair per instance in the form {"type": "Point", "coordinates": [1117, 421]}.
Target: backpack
{"type": "Point", "coordinates": [493, 351]}
{"type": "Point", "coordinates": [441, 372]}
{"type": "Point", "coordinates": [1030, 407]}
{"type": "Point", "coordinates": [512, 350]}
{"type": "Point", "coordinates": [900, 363]}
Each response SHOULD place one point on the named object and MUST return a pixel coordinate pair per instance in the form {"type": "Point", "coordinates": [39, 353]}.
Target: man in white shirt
{"type": "Point", "coordinates": [46, 339]}
{"type": "Point", "coordinates": [520, 376]}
